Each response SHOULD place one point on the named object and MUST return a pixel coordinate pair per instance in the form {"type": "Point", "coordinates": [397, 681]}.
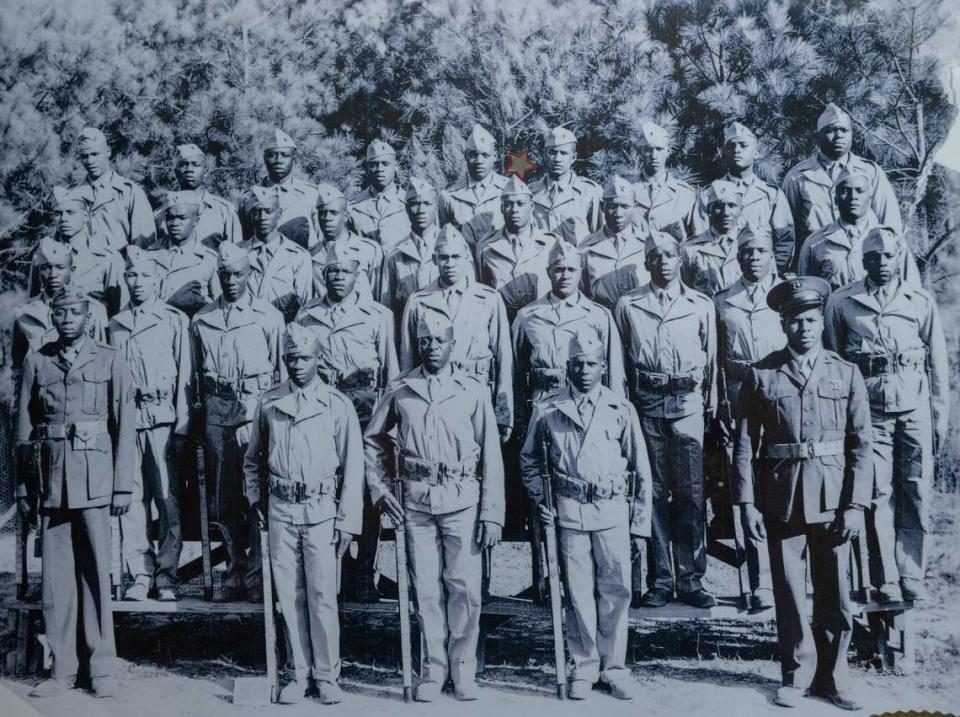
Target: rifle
{"type": "Point", "coordinates": [269, 624]}
{"type": "Point", "coordinates": [553, 571]}
{"type": "Point", "coordinates": [116, 559]}
{"type": "Point", "coordinates": [33, 480]}
{"type": "Point", "coordinates": [403, 587]}
{"type": "Point", "coordinates": [202, 493]}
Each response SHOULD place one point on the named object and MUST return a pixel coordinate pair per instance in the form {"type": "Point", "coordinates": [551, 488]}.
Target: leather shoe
{"type": "Point", "coordinates": [103, 687]}
{"type": "Point", "coordinates": [889, 592]}
{"type": "Point", "coordinates": [698, 598]}
{"type": "Point", "coordinates": [137, 592]}
{"type": "Point", "coordinates": [914, 589]}
{"type": "Point", "coordinates": [466, 691]}
{"type": "Point", "coordinates": [167, 594]}
{"type": "Point", "coordinates": [837, 700]}
{"type": "Point", "coordinates": [625, 689]}
{"type": "Point", "coordinates": [329, 692]}
{"type": "Point", "coordinates": [292, 693]}
{"type": "Point", "coordinates": [788, 696]}
{"type": "Point", "coordinates": [761, 599]}
{"type": "Point", "coordinates": [427, 692]}
{"type": "Point", "coordinates": [580, 689]}
{"type": "Point", "coordinates": [51, 688]}
{"type": "Point", "coordinates": [656, 597]}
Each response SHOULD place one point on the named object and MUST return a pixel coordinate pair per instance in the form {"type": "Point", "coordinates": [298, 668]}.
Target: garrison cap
{"type": "Point", "coordinates": [480, 140]}
{"type": "Point", "coordinates": [559, 136]}
{"type": "Point", "coordinates": [563, 250]}
{"type": "Point", "coordinates": [833, 115]}
{"type": "Point", "coordinates": [337, 255]}
{"type": "Point", "coordinates": [262, 197]}
{"type": "Point", "coordinates": [186, 197]}
{"type": "Point", "coordinates": [50, 250]}
{"type": "Point", "coordinates": [91, 138]}
{"type": "Point", "coordinates": [617, 186]}
{"type": "Point", "coordinates": [656, 239]}
{"type": "Point", "coordinates": [433, 324]}
{"type": "Point", "coordinates": [278, 139]}
{"type": "Point", "coordinates": [328, 194]}
{"type": "Point", "coordinates": [798, 294]}
{"type": "Point", "coordinates": [721, 190]}
{"type": "Point", "coordinates": [449, 235]}
{"type": "Point", "coordinates": [379, 149]}
{"type": "Point", "coordinates": [847, 175]}
{"type": "Point", "coordinates": [231, 256]}
{"type": "Point", "coordinates": [82, 193]}
{"type": "Point", "coordinates": [735, 130]}
{"type": "Point", "coordinates": [651, 133]}
{"type": "Point", "coordinates": [135, 256]}
{"type": "Point", "coordinates": [417, 187]}
{"type": "Point", "coordinates": [298, 340]}
{"type": "Point", "coordinates": [583, 343]}
{"type": "Point", "coordinates": [752, 235]}
{"type": "Point", "coordinates": [68, 295]}
{"type": "Point", "coordinates": [189, 150]}
{"type": "Point", "coordinates": [515, 185]}
{"type": "Point", "coordinates": [882, 239]}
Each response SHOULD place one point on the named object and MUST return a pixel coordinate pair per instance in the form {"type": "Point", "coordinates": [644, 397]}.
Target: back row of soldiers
{"type": "Point", "coordinates": [539, 293]}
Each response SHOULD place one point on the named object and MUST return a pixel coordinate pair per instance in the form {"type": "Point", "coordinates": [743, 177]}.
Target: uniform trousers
{"type": "Point", "coordinates": [445, 569]}
{"type": "Point", "coordinates": [361, 571]}
{"type": "Point", "coordinates": [304, 563]}
{"type": "Point", "coordinates": [756, 553]}
{"type": "Point", "coordinates": [811, 655]}
{"type": "Point", "coordinates": [76, 591]}
{"type": "Point", "coordinates": [596, 564]}
{"type": "Point", "coordinates": [675, 448]}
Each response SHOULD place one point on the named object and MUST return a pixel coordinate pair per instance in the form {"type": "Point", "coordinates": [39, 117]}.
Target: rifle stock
{"type": "Point", "coordinates": [269, 620]}
{"type": "Point", "coordinates": [403, 589]}
{"type": "Point", "coordinates": [553, 573]}
{"type": "Point", "coordinates": [201, 465]}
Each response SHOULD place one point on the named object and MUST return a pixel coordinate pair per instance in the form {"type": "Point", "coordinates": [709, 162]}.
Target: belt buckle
{"type": "Point", "coordinates": [808, 450]}
{"type": "Point", "coordinates": [591, 493]}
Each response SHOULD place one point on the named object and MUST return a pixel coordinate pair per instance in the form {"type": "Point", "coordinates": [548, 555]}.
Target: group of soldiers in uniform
{"type": "Point", "coordinates": [432, 355]}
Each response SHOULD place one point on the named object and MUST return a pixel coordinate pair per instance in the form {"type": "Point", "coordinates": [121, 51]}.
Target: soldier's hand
{"type": "Point", "coordinates": [721, 431]}
{"type": "Point", "coordinates": [342, 541]}
{"type": "Point", "coordinates": [120, 503]}
{"type": "Point", "coordinates": [488, 534]}
{"type": "Point", "coordinates": [505, 432]}
{"type": "Point", "coordinates": [391, 506]}
{"type": "Point", "coordinates": [848, 525]}
{"type": "Point", "coordinates": [752, 520]}
{"type": "Point", "coordinates": [545, 513]}
{"type": "Point", "coordinates": [27, 510]}
{"type": "Point", "coordinates": [257, 509]}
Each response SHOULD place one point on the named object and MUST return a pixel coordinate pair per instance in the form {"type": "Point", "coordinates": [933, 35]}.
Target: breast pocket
{"type": "Point", "coordinates": [787, 404]}
{"type": "Point", "coordinates": [94, 392]}
{"type": "Point", "coordinates": [832, 408]}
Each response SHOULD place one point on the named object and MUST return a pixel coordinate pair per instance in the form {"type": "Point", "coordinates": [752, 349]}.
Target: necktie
{"type": "Point", "coordinates": [433, 386]}
{"type": "Point", "coordinates": [663, 300]}
{"type": "Point", "coordinates": [585, 408]}
{"type": "Point", "coordinates": [452, 297]}
{"type": "Point", "coordinates": [515, 241]}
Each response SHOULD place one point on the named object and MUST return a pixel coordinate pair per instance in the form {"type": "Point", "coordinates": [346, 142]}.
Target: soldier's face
{"type": "Point", "coordinates": [479, 163]}
{"type": "Point", "coordinates": [616, 212]}
{"type": "Point", "coordinates": [265, 219]}
{"type": "Point", "coordinates": [279, 163]}
{"type": "Point", "coordinates": [95, 161]}
{"type": "Point", "coordinates": [435, 350]}
{"type": "Point", "coordinates": [663, 263]}
{"type": "Point", "coordinates": [70, 321]}
{"type": "Point", "coordinates": [740, 153]}
{"type": "Point", "coordinates": [381, 172]}
{"type": "Point", "coordinates": [517, 211]}
{"type": "Point", "coordinates": [190, 172]}
{"type": "Point", "coordinates": [54, 275]}
{"type": "Point", "coordinates": [340, 279]}
{"type": "Point", "coordinates": [564, 277]}
{"type": "Point", "coordinates": [835, 140]}
{"type": "Point", "coordinates": [233, 281]}
{"type": "Point", "coordinates": [422, 212]}
{"type": "Point", "coordinates": [181, 221]}
{"type": "Point", "coordinates": [142, 281]}
{"type": "Point", "coordinates": [586, 370]}
{"type": "Point", "coordinates": [853, 198]}
{"type": "Point", "coordinates": [452, 262]}
{"type": "Point", "coordinates": [724, 215]}
{"type": "Point", "coordinates": [755, 261]}
{"type": "Point", "coordinates": [332, 218]}
{"type": "Point", "coordinates": [301, 367]}
{"type": "Point", "coordinates": [803, 330]}
{"type": "Point", "coordinates": [560, 159]}
{"type": "Point", "coordinates": [654, 155]}
{"type": "Point", "coordinates": [881, 266]}
{"type": "Point", "coordinates": [71, 218]}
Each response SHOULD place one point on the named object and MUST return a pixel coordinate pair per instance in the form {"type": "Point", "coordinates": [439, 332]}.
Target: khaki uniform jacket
{"type": "Point", "coordinates": [573, 210]}
{"type": "Point", "coordinates": [706, 266]}
{"type": "Point", "coordinates": [280, 272]}
{"type": "Point", "coordinates": [520, 280]}
{"type": "Point", "coordinates": [809, 187]}
{"type": "Point", "coordinates": [368, 254]}
{"type": "Point", "coordinates": [776, 406]}
{"type": "Point", "coordinates": [298, 201]}
{"type": "Point", "coordinates": [855, 323]}
{"type": "Point", "coordinates": [97, 272]}
{"type": "Point", "coordinates": [679, 341]}
{"type": "Point", "coordinates": [382, 218]}
{"type": "Point", "coordinates": [408, 268]}
{"type": "Point", "coordinates": [610, 445]}
{"type": "Point", "coordinates": [243, 351]}
{"type": "Point", "coordinates": [481, 333]}
{"type": "Point", "coordinates": [217, 221]}
{"type": "Point", "coordinates": [190, 281]}
{"type": "Point", "coordinates": [613, 266]}
{"type": "Point", "coordinates": [453, 425]}
{"type": "Point", "coordinates": [307, 435]}
{"type": "Point", "coordinates": [154, 339]}
{"type": "Point", "coordinates": [121, 213]}
{"type": "Point", "coordinates": [670, 207]}
{"type": "Point", "coordinates": [33, 327]}
{"type": "Point", "coordinates": [90, 403]}
{"type": "Point", "coordinates": [474, 208]}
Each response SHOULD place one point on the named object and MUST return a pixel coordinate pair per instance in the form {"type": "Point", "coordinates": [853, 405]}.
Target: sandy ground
{"type": "Point", "coordinates": [186, 665]}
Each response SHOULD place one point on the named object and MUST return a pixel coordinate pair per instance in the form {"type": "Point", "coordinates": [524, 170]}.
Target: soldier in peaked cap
{"type": "Point", "coordinates": [440, 425]}
{"type": "Point", "coordinates": [802, 473]}
{"type": "Point", "coordinates": [669, 331]}
{"type": "Point", "coordinates": [613, 257]}
{"type": "Point", "coordinates": [75, 443]}
{"type": "Point", "coordinates": [120, 213]}
{"type": "Point", "coordinates": [564, 202]}
{"type": "Point", "coordinates": [378, 212]}
{"type": "Point", "coordinates": [218, 220]}
{"type": "Point", "coordinates": [892, 331]}
{"type": "Point", "coordinates": [357, 357]}
{"type": "Point", "coordinates": [304, 474]}
{"type": "Point", "coordinates": [709, 261]}
{"type": "Point", "coordinates": [280, 270]}
{"type": "Point", "coordinates": [154, 338]}
{"type": "Point", "coordinates": [601, 478]}
{"type": "Point", "coordinates": [472, 202]}
{"type": "Point", "coordinates": [811, 185]}
{"type": "Point", "coordinates": [236, 341]}
{"type": "Point", "coordinates": [296, 197]}
{"type": "Point", "coordinates": [761, 204]}
{"type": "Point", "coordinates": [664, 202]}
{"type": "Point", "coordinates": [189, 277]}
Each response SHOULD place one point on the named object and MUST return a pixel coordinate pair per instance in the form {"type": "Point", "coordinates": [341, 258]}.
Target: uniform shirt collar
{"type": "Point", "coordinates": [570, 302]}
{"type": "Point", "coordinates": [104, 180]}
{"type": "Point", "coordinates": [185, 246]}
{"type": "Point", "coordinates": [672, 291]}
{"type": "Point", "coordinates": [829, 164]}
{"type": "Point", "coordinates": [807, 359]}
{"type": "Point", "coordinates": [563, 183]}
{"type": "Point", "coordinates": [592, 395]}
{"type": "Point", "coordinates": [482, 184]}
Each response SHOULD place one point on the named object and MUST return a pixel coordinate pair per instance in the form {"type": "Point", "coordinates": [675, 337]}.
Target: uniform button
{"type": "Point", "coordinates": [806, 423]}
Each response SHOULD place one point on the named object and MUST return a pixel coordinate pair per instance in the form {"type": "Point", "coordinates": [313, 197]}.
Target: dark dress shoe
{"type": "Point", "coordinates": [698, 598]}
{"type": "Point", "coordinates": [836, 699]}
{"type": "Point", "coordinates": [656, 597]}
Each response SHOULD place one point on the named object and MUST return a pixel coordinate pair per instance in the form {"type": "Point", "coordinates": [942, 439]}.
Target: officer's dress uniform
{"type": "Point", "coordinates": [297, 199]}
{"type": "Point", "coordinates": [280, 273]}
{"type": "Point", "coordinates": [121, 213]}
{"type": "Point", "coordinates": [670, 341]}
{"type": "Point", "coordinates": [380, 216]}
{"type": "Point", "coordinates": [304, 464]}
{"type": "Point", "coordinates": [189, 274]}
{"type": "Point", "coordinates": [669, 205]}
{"type": "Point", "coordinates": [601, 481]}
{"type": "Point", "coordinates": [217, 221]}
{"type": "Point", "coordinates": [613, 265]}
{"type": "Point", "coordinates": [444, 433]}
{"type": "Point", "coordinates": [97, 271]}
{"type": "Point", "coordinates": [33, 327]}
{"type": "Point", "coordinates": [709, 262]}
{"type": "Point", "coordinates": [154, 338]}
{"type": "Point", "coordinates": [367, 254]}
{"type": "Point", "coordinates": [568, 207]}
{"type": "Point", "coordinates": [473, 207]}
{"type": "Point", "coordinates": [516, 265]}
{"type": "Point", "coordinates": [78, 406]}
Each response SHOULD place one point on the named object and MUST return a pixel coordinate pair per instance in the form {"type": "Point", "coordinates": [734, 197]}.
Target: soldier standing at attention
{"type": "Point", "coordinates": [236, 342]}
{"type": "Point", "coordinates": [437, 425]}
{"type": "Point", "coordinates": [358, 357]}
{"type": "Point", "coordinates": [378, 212]}
{"type": "Point", "coordinates": [304, 478]}
{"type": "Point", "coordinates": [892, 331]}
{"type": "Point", "coordinates": [565, 203]}
{"type": "Point", "coordinates": [709, 261]}
{"type": "Point", "coordinates": [803, 474]}
{"type": "Point", "coordinates": [601, 478]}
{"type": "Point", "coordinates": [73, 391]}
{"type": "Point", "coordinates": [670, 335]}
{"type": "Point", "coordinates": [154, 338]}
